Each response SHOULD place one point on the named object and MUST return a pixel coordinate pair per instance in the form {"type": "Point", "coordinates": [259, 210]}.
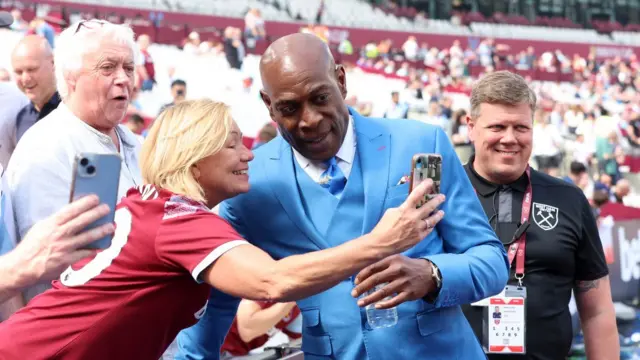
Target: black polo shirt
{"type": "Point", "coordinates": [563, 246]}
{"type": "Point", "coordinates": [29, 115]}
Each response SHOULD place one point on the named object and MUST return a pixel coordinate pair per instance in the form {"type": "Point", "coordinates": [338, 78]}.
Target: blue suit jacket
{"type": "Point", "coordinates": [472, 260]}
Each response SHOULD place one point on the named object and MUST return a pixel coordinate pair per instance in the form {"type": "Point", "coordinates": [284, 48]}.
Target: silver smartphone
{"type": "Point", "coordinates": [97, 174]}
{"type": "Point", "coordinates": [423, 167]}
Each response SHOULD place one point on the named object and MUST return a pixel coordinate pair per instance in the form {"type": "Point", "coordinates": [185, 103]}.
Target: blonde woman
{"type": "Point", "coordinates": [169, 249]}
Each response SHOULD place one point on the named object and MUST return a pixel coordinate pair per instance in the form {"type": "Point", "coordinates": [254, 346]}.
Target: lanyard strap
{"type": "Point", "coordinates": [517, 248]}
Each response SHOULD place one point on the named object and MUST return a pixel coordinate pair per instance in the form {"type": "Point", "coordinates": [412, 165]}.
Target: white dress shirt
{"type": "Point", "coordinates": [344, 158]}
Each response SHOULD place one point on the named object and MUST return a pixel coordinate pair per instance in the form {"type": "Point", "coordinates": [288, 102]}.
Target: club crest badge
{"type": "Point", "coordinates": [545, 216]}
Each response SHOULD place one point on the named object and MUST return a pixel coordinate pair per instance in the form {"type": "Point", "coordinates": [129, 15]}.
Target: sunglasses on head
{"type": "Point", "coordinates": [89, 24]}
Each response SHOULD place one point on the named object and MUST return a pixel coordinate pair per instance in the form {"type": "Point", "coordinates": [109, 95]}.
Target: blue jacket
{"type": "Point", "coordinates": [275, 216]}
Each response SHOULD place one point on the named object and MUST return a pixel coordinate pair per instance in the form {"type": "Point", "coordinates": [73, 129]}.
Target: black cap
{"type": "Point", "coordinates": [6, 19]}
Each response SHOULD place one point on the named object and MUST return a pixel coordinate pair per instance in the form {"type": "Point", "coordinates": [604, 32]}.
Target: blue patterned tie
{"type": "Point", "coordinates": [333, 179]}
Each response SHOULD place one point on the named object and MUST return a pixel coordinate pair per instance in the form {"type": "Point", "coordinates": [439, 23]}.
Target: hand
{"type": "Point", "coordinates": [410, 279]}
{"type": "Point", "coordinates": [403, 227]}
{"type": "Point", "coordinates": [53, 244]}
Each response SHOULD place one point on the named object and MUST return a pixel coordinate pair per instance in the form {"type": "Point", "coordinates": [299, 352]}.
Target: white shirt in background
{"type": "Point", "coordinates": [12, 100]}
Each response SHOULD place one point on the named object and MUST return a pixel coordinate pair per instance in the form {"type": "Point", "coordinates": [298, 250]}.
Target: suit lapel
{"type": "Point", "coordinates": [373, 149]}
{"type": "Point", "coordinates": [282, 178]}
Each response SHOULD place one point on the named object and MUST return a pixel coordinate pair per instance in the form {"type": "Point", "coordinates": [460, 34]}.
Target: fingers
{"type": "Point", "coordinates": [426, 209]}
{"type": "Point", "coordinates": [87, 237]}
{"type": "Point", "coordinates": [378, 295]}
{"type": "Point", "coordinates": [395, 289]}
{"type": "Point", "coordinates": [379, 276]}
{"type": "Point", "coordinates": [79, 255]}
{"type": "Point", "coordinates": [417, 195]}
{"type": "Point", "coordinates": [395, 301]}
{"type": "Point", "coordinates": [432, 221]}
{"type": "Point", "coordinates": [372, 269]}
{"type": "Point", "coordinates": [81, 221]}
{"type": "Point", "coordinates": [76, 208]}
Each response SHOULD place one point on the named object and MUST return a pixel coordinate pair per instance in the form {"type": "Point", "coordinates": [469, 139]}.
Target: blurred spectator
{"type": "Point", "coordinates": [603, 183]}
{"type": "Point", "coordinates": [600, 198]}
{"type": "Point", "coordinates": [134, 105]}
{"type": "Point", "coordinates": [410, 48]}
{"type": "Point", "coordinates": [320, 12]}
{"type": "Point", "coordinates": [178, 93]}
{"type": "Point", "coordinates": [459, 130]}
{"type": "Point", "coordinates": [434, 115]}
{"type": "Point", "coordinates": [233, 48]}
{"type": "Point", "coordinates": [345, 47]}
{"type": "Point", "coordinates": [4, 75]}
{"type": "Point", "coordinates": [192, 44]}
{"type": "Point", "coordinates": [620, 191]}
{"type": "Point", "coordinates": [19, 24]}
{"type": "Point", "coordinates": [135, 123]}
{"type": "Point", "coordinates": [32, 61]}
{"type": "Point", "coordinates": [146, 69]}
{"type": "Point", "coordinates": [266, 134]}
{"type": "Point", "coordinates": [573, 118]}
{"type": "Point", "coordinates": [397, 109]}
{"type": "Point", "coordinates": [39, 26]}
{"type": "Point", "coordinates": [578, 175]}
{"type": "Point", "coordinates": [254, 25]}
{"type": "Point", "coordinates": [582, 151]}
{"type": "Point", "coordinates": [547, 145]}
{"type": "Point", "coordinates": [605, 152]}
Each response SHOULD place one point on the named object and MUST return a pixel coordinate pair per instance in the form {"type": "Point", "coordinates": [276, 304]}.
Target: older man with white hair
{"type": "Point", "coordinates": [94, 68]}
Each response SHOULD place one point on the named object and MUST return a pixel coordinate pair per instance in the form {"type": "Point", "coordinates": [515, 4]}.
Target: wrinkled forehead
{"type": "Point", "coordinates": [297, 80]}
{"type": "Point", "coordinates": [108, 50]}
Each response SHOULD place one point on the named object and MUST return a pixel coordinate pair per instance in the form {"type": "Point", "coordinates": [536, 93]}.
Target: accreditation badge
{"type": "Point", "coordinates": [503, 321]}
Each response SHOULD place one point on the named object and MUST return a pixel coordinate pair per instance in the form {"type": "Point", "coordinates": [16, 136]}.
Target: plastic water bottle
{"type": "Point", "coordinates": [380, 318]}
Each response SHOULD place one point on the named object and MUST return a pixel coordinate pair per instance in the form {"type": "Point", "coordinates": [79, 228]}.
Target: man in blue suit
{"type": "Point", "coordinates": [295, 206]}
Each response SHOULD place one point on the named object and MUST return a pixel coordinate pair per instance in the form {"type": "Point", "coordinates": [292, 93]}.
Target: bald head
{"type": "Point", "coordinates": [304, 92]}
{"type": "Point", "coordinates": [295, 53]}
{"type": "Point", "coordinates": [32, 62]}
{"type": "Point", "coordinates": [33, 46]}
{"type": "Point", "coordinates": [623, 187]}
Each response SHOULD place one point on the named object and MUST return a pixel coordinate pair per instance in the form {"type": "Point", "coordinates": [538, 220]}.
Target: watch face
{"type": "Point", "coordinates": [436, 274]}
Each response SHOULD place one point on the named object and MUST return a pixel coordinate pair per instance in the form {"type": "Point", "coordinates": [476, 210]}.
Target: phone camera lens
{"type": "Point", "coordinates": [84, 162]}
{"type": "Point", "coordinates": [91, 169]}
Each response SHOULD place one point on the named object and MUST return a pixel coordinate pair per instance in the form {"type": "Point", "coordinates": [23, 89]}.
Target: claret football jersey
{"type": "Point", "coordinates": [130, 300]}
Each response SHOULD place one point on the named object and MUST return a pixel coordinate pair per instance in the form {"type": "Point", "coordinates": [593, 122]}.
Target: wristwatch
{"type": "Point", "coordinates": [436, 276]}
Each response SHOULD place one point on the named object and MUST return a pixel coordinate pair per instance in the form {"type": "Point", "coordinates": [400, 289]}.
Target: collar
{"type": "Point", "coordinates": [346, 153]}
{"type": "Point", "coordinates": [127, 139]}
{"type": "Point", "coordinates": [47, 108]}
{"type": "Point", "coordinates": [51, 105]}
{"type": "Point", "coordinates": [485, 187]}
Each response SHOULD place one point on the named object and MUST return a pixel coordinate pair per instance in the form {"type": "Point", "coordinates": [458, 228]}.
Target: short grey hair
{"type": "Point", "coordinates": [81, 38]}
{"type": "Point", "coordinates": [503, 88]}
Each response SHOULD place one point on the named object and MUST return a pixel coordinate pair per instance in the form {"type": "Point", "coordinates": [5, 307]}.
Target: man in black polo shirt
{"type": "Point", "coordinates": [32, 62]}
{"type": "Point", "coordinates": [563, 250]}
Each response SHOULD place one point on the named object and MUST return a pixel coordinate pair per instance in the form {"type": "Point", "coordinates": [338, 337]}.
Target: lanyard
{"type": "Point", "coordinates": [517, 248]}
